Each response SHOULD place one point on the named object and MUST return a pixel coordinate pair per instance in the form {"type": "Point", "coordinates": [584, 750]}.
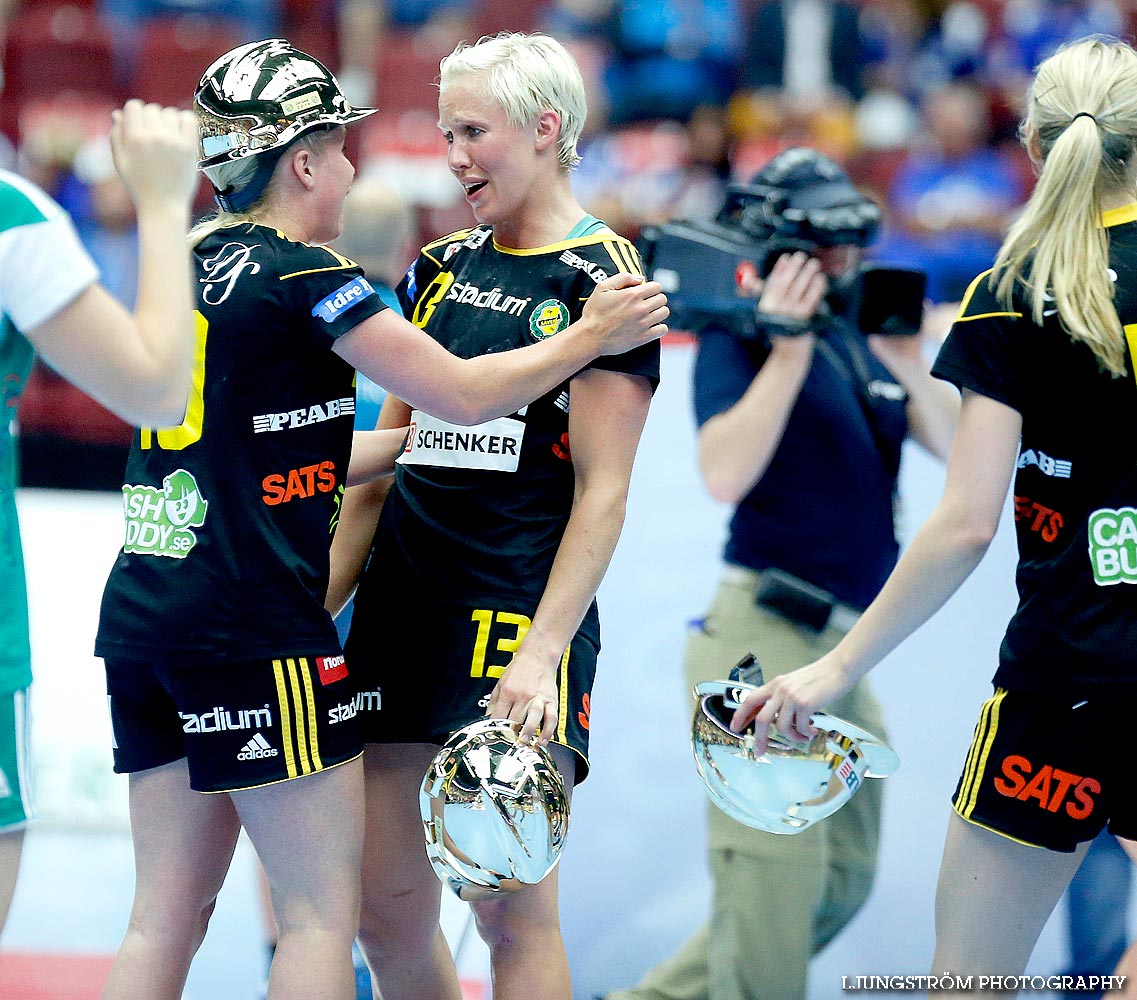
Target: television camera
{"type": "Point", "coordinates": [699, 262]}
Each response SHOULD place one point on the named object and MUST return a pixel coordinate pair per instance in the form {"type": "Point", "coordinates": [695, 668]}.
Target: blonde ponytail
{"type": "Point", "coordinates": [1081, 121]}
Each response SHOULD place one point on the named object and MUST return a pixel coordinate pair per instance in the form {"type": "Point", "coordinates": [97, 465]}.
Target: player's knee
{"type": "Point", "coordinates": [396, 928]}
{"type": "Point", "coordinates": [507, 920]}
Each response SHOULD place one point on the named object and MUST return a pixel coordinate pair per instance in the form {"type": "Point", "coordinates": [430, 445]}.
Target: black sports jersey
{"type": "Point", "coordinates": [1075, 488]}
{"type": "Point", "coordinates": [228, 517]}
{"type": "Point", "coordinates": [823, 509]}
{"type": "Point", "coordinates": [478, 513]}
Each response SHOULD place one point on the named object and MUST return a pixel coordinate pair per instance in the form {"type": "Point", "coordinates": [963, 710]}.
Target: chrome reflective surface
{"type": "Point", "coordinates": [494, 810]}
{"type": "Point", "coordinates": [793, 784]}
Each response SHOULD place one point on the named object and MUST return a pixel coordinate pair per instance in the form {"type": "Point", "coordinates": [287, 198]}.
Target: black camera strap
{"type": "Point", "coordinates": [860, 377]}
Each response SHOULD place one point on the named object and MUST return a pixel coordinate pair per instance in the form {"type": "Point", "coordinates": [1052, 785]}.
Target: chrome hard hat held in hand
{"type": "Point", "coordinates": [494, 810]}
{"type": "Point", "coordinates": [794, 783]}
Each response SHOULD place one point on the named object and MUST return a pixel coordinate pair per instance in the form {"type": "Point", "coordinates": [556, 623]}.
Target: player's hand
{"type": "Point", "coordinates": [527, 693]}
{"type": "Point", "coordinates": [155, 153]}
{"type": "Point", "coordinates": [788, 701]}
{"type": "Point", "coordinates": [627, 311]}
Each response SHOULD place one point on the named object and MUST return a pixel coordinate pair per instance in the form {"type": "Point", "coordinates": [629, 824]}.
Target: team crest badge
{"type": "Point", "coordinates": [549, 317]}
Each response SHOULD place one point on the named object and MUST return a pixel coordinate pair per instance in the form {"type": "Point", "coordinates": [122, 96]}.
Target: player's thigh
{"type": "Point", "coordinates": [308, 834]}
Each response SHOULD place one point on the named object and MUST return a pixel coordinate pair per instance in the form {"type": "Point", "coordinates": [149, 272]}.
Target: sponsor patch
{"type": "Point", "coordinates": [1042, 520]}
{"type": "Point", "coordinates": [547, 318]}
{"type": "Point", "coordinates": [299, 483]}
{"type": "Point", "coordinates": [159, 521]}
{"type": "Point", "coordinates": [593, 270]}
{"type": "Point", "coordinates": [365, 701]}
{"type": "Point", "coordinates": [332, 669]}
{"type": "Point", "coordinates": [1113, 545]}
{"type": "Point", "coordinates": [315, 414]}
{"type": "Point", "coordinates": [1056, 467]}
{"type": "Point", "coordinates": [495, 299]}
{"type": "Point", "coordinates": [342, 299]}
{"type": "Point", "coordinates": [1050, 788]}
{"type": "Point", "coordinates": [256, 749]}
{"type": "Point", "coordinates": [494, 446]}
{"type": "Point", "coordinates": [220, 720]}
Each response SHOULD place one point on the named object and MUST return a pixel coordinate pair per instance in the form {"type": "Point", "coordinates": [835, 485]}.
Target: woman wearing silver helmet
{"type": "Point", "coordinates": [224, 672]}
{"type": "Point", "coordinates": [1043, 353]}
{"type": "Point", "coordinates": [479, 597]}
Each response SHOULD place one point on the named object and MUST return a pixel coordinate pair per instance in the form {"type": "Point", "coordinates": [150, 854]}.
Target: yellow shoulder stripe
{"type": "Point", "coordinates": [320, 270]}
{"type": "Point", "coordinates": [961, 318]}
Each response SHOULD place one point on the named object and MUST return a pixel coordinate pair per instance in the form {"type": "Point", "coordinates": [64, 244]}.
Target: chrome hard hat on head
{"type": "Point", "coordinates": [793, 784]}
{"type": "Point", "coordinates": [495, 810]}
{"type": "Point", "coordinates": [262, 95]}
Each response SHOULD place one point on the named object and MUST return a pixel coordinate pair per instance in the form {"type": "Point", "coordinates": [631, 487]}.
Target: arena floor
{"type": "Point", "coordinates": [633, 877]}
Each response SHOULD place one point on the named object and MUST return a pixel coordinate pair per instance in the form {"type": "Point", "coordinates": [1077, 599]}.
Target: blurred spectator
{"type": "Point", "coordinates": [380, 234]}
{"type": "Point", "coordinates": [954, 48]}
{"type": "Point", "coordinates": [805, 48]}
{"type": "Point", "coordinates": [575, 19]}
{"type": "Point", "coordinates": [254, 18]}
{"type": "Point", "coordinates": [251, 19]}
{"type": "Point", "coordinates": [1033, 29]}
{"type": "Point", "coordinates": [952, 196]}
{"type": "Point", "coordinates": [670, 56]}
{"type": "Point", "coordinates": [107, 226]}
{"type": "Point", "coordinates": [438, 24]}
{"type": "Point", "coordinates": [51, 134]}
{"type": "Point", "coordinates": [891, 33]}
{"type": "Point", "coordinates": [1029, 31]}
{"type": "Point", "coordinates": [766, 122]}
{"type": "Point", "coordinates": [651, 172]}
{"type": "Point", "coordinates": [359, 28]}
{"type": "Point", "coordinates": [702, 183]}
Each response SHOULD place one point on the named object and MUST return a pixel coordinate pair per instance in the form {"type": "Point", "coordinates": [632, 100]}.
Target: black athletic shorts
{"type": "Point", "coordinates": [429, 670]}
{"type": "Point", "coordinates": [1048, 771]}
{"type": "Point", "coordinates": [240, 724]}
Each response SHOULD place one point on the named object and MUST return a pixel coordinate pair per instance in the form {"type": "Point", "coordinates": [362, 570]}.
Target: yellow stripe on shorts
{"type": "Point", "coordinates": [313, 727]}
{"type": "Point", "coordinates": [563, 707]}
{"type": "Point", "coordinates": [301, 735]}
{"type": "Point", "coordinates": [976, 766]}
{"type": "Point", "coordinates": [285, 718]}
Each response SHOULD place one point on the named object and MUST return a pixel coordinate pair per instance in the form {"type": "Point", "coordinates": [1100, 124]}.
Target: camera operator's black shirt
{"type": "Point", "coordinates": [1075, 487]}
{"type": "Point", "coordinates": [823, 510]}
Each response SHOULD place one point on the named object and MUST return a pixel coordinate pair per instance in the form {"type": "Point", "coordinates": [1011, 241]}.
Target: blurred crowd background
{"type": "Point", "coordinates": [919, 99]}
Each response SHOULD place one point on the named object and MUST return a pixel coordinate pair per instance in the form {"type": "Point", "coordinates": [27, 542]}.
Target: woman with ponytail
{"type": "Point", "coordinates": [1042, 352]}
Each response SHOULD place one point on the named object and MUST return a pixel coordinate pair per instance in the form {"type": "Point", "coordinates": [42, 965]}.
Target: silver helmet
{"type": "Point", "coordinates": [494, 810]}
{"type": "Point", "coordinates": [262, 95]}
{"type": "Point", "coordinates": [793, 784]}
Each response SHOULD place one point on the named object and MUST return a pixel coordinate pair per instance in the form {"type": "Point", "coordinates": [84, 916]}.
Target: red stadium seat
{"type": "Point", "coordinates": [173, 54]}
{"type": "Point", "coordinates": [407, 75]}
{"type": "Point", "coordinates": [55, 49]}
{"type": "Point", "coordinates": [493, 16]}
{"type": "Point", "coordinates": [313, 27]}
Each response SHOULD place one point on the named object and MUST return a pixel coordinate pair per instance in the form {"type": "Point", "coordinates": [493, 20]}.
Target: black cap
{"type": "Point", "coordinates": [809, 178]}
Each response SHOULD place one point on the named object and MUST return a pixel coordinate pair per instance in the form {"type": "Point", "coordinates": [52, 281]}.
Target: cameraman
{"type": "Point", "coordinates": [801, 423]}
